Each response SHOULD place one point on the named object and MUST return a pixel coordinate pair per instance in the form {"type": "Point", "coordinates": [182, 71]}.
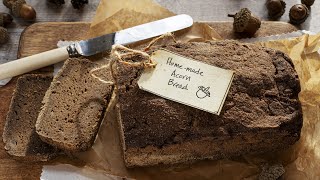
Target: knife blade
{"type": "Point", "coordinates": [95, 45]}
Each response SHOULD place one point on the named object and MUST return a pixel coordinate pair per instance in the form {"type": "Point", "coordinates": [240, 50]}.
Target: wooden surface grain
{"type": "Point", "coordinates": [217, 10]}
{"type": "Point", "coordinates": [42, 37]}
{"type": "Point", "coordinates": [200, 10]}
{"type": "Point", "coordinates": [45, 13]}
{"type": "Point", "coordinates": [35, 39]}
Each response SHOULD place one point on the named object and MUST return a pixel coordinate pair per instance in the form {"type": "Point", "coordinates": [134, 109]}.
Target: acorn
{"type": "Point", "coordinates": [78, 4]}
{"type": "Point", "coordinates": [307, 2]}
{"type": "Point", "coordinates": [5, 19]}
{"type": "Point", "coordinates": [4, 36]}
{"type": "Point", "coordinates": [298, 13]}
{"type": "Point", "coordinates": [7, 3]}
{"type": "Point", "coordinates": [56, 2]}
{"type": "Point", "coordinates": [19, 8]}
{"type": "Point", "coordinates": [245, 22]}
{"type": "Point", "coordinates": [276, 8]}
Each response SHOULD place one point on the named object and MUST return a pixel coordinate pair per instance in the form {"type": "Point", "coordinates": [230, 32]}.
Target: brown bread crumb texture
{"type": "Point", "coordinates": [261, 113]}
{"type": "Point", "coordinates": [74, 106]}
{"type": "Point", "coordinates": [19, 136]}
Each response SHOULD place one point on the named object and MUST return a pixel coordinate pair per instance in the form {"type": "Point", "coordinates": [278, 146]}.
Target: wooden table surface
{"type": "Point", "coordinates": [200, 10]}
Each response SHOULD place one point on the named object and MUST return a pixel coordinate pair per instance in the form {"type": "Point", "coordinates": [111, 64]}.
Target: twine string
{"type": "Point", "coordinates": [124, 54]}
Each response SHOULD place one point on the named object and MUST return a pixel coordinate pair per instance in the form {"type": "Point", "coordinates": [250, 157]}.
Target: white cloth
{"type": "Point", "coordinates": [69, 172]}
{"type": "Point", "coordinates": [4, 82]}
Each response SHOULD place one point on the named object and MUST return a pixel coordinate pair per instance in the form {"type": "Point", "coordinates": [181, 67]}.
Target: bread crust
{"type": "Point", "coordinates": [261, 113]}
{"type": "Point", "coordinates": [21, 140]}
{"type": "Point", "coordinates": [74, 106]}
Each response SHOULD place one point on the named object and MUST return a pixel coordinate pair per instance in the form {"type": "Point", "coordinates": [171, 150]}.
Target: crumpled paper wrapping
{"type": "Point", "coordinates": [304, 52]}
{"type": "Point", "coordinates": [300, 160]}
{"type": "Point", "coordinates": [115, 15]}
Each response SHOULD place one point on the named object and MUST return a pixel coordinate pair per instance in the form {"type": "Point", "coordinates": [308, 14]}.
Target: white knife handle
{"type": "Point", "coordinates": [30, 63]}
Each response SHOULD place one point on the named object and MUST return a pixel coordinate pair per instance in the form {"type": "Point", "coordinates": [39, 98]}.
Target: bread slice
{"type": "Point", "coordinates": [74, 106]}
{"type": "Point", "coordinates": [19, 135]}
{"type": "Point", "coordinates": [261, 113]}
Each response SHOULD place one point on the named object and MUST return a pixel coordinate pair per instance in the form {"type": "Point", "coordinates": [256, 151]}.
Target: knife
{"type": "Point", "coordinates": [95, 45]}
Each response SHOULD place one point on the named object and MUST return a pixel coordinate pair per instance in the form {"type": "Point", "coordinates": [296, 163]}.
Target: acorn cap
{"type": "Point", "coordinates": [16, 7]}
{"type": "Point", "coordinates": [4, 36]}
{"type": "Point", "coordinates": [56, 2]}
{"type": "Point", "coordinates": [245, 21]}
{"type": "Point", "coordinates": [8, 3]}
{"type": "Point", "coordinates": [307, 2]}
{"type": "Point", "coordinates": [276, 8]}
{"type": "Point", "coordinates": [298, 13]}
{"type": "Point", "coordinates": [78, 4]}
{"type": "Point", "coordinates": [1, 20]}
{"type": "Point", "coordinates": [5, 19]}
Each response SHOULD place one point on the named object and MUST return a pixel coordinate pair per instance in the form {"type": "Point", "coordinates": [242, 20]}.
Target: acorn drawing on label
{"type": "Point", "coordinates": [203, 92]}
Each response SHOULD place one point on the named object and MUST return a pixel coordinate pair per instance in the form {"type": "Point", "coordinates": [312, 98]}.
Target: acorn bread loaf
{"type": "Point", "coordinates": [261, 113]}
{"type": "Point", "coordinates": [19, 135]}
{"type": "Point", "coordinates": [74, 106]}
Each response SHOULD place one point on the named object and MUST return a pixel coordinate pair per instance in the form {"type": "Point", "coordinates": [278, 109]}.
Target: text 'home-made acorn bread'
{"type": "Point", "coordinates": [261, 113]}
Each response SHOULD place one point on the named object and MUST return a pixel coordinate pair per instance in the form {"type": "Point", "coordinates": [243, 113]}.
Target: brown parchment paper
{"type": "Point", "coordinates": [108, 8]}
{"type": "Point", "coordinates": [114, 15]}
{"type": "Point", "coordinates": [301, 161]}
{"type": "Point", "coordinates": [304, 51]}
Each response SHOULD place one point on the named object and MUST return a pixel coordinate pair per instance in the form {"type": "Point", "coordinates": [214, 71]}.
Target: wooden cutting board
{"type": "Point", "coordinates": [42, 37]}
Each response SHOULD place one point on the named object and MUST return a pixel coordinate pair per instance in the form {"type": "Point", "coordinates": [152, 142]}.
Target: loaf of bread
{"type": "Point", "coordinates": [19, 135]}
{"type": "Point", "coordinates": [261, 113]}
{"type": "Point", "coordinates": [74, 106]}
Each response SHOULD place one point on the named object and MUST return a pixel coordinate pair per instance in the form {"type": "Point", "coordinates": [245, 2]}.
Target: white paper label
{"type": "Point", "coordinates": [187, 81]}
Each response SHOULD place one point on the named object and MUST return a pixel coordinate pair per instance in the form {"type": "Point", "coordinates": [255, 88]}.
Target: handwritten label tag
{"type": "Point", "coordinates": [187, 81]}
